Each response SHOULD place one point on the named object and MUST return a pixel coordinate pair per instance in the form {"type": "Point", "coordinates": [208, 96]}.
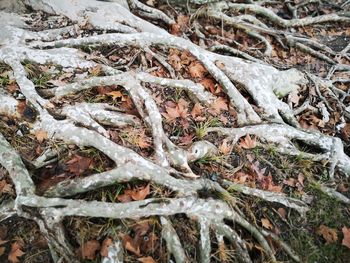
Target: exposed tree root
{"type": "Point", "coordinates": [85, 124]}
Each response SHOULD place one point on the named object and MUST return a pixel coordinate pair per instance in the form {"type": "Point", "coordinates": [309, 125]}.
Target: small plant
{"type": "Point", "coordinates": [201, 129]}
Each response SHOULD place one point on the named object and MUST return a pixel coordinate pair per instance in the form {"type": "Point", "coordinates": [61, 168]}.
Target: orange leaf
{"type": "Point", "coordinates": [282, 212]}
{"type": "Point", "coordinates": [124, 198]}
{"type": "Point", "coordinates": [197, 70]}
{"type": "Point", "coordinates": [346, 239]}
{"type": "Point", "coordinates": [171, 113]}
{"type": "Point", "coordinates": [134, 194]}
{"type": "Point", "coordinates": [218, 105]}
{"type": "Point", "coordinates": [115, 94]}
{"type": "Point", "coordinates": [209, 84]}
{"type": "Point", "coordinates": [248, 142]}
{"type": "Point", "coordinates": [2, 250]}
{"type": "Point", "coordinates": [15, 252]}
{"type": "Point", "coordinates": [105, 245]}
{"type": "Point", "coordinates": [197, 111]}
{"type": "Point", "coordinates": [5, 188]}
{"type": "Point", "coordinates": [329, 234]}
{"type": "Point", "coordinates": [78, 164]}
{"type": "Point", "coordinates": [140, 194]}
{"type": "Point", "coordinates": [225, 148]}
{"type": "Point", "coordinates": [147, 260]}
{"type": "Point", "coordinates": [40, 135]}
{"type": "Point", "coordinates": [130, 245]}
{"type": "Point", "coordinates": [266, 223]}
{"type": "Point", "coordinates": [88, 249]}
{"type": "Point", "coordinates": [143, 141]}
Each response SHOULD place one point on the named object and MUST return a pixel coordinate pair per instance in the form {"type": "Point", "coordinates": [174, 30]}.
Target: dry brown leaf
{"type": "Point", "coordinates": [187, 139]}
{"type": "Point", "coordinates": [329, 234]}
{"type": "Point", "coordinates": [95, 71]}
{"type": "Point", "coordinates": [294, 97]}
{"type": "Point", "coordinates": [130, 245]}
{"type": "Point", "coordinates": [196, 110]}
{"type": "Point", "coordinates": [41, 135]}
{"type": "Point", "coordinates": [2, 250]}
{"type": "Point", "coordinates": [134, 194]}
{"type": "Point", "coordinates": [171, 114]}
{"type": "Point", "coordinates": [12, 87]}
{"type": "Point", "coordinates": [5, 188]}
{"type": "Point", "coordinates": [282, 212]}
{"type": "Point", "coordinates": [148, 243]}
{"type": "Point", "coordinates": [124, 198]}
{"type": "Point", "coordinates": [115, 94]}
{"type": "Point", "coordinates": [89, 249]}
{"type": "Point", "coordinates": [104, 247]}
{"type": "Point", "coordinates": [147, 260]}
{"type": "Point", "coordinates": [219, 105]}
{"type": "Point", "coordinates": [346, 239]}
{"type": "Point", "coordinates": [78, 164]}
{"type": "Point", "coordinates": [197, 70]}
{"type": "Point", "coordinates": [225, 148]}
{"type": "Point", "coordinates": [248, 142]}
{"type": "Point", "coordinates": [223, 252]}
{"type": "Point", "coordinates": [266, 223]}
{"type": "Point", "coordinates": [178, 110]}
{"type": "Point", "coordinates": [142, 140]}
{"type": "Point", "coordinates": [3, 233]}
{"type": "Point", "coordinates": [16, 252]}
{"type": "Point", "coordinates": [209, 84]}
{"type": "Point", "coordinates": [3, 242]}
{"type": "Point", "coordinates": [141, 193]}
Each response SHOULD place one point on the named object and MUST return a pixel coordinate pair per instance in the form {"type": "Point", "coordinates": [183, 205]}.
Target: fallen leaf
{"type": "Point", "coordinates": [294, 97]}
{"type": "Point", "coordinates": [178, 110]}
{"type": "Point", "coordinates": [134, 194]}
{"type": "Point", "coordinates": [2, 250]}
{"type": "Point", "coordinates": [104, 247]}
{"type": "Point", "coordinates": [78, 164]}
{"type": "Point", "coordinates": [3, 242]}
{"type": "Point", "coordinates": [171, 113]}
{"type": "Point", "coordinates": [329, 234]}
{"type": "Point", "coordinates": [3, 233]}
{"type": "Point", "coordinates": [141, 193]}
{"type": "Point", "coordinates": [225, 148]}
{"type": "Point", "coordinates": [130, 245]}
{"type": "Point", "coordinates": [104, 90]}
{"type": "Point", "coordinates": [95, 71]}
{"type": "Point", "coordinates": [219, 105]}
{"type": "Point", "coordinates": [41, 135]}
{"type": "Point", "coordinates": [282, 212]}
{"type": "Point", "coordinates": [89, 249]}
{"type": "Point", "coordinates": [196, 110]}
{"type": "Point", "coordinates": [187, 139]}
{"type": "Point", "coordinates": [248, 142]}
{"type": "Point", "coordinates": [147, 260]}
{"type": "Point", "coordinates": [223, 252]}
{"type": "Point", "coordinates": [115, 94]}
{"type": "Point", "coordinates": [124, 198]}
{"type": "Point", "coordinates": [346, 239]}
{"type": "Point", "coordinates": [148, 243]}
{"type": "Point", "coordinates": [5, 188]}
{"type": "Point", "coordinates": [15, 252]}
{"type": "Point", "coordinates": [266, 223]}
{"type": "Point", "coordinates": [209, 84]}
{"type": "Point", "coordinates": [290, 182]}
{"type": "Point", "coordinates": [197, 70]}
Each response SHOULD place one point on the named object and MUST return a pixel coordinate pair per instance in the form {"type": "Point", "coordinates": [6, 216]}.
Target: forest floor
{"type": "Point", "coordinates": [321, 235]}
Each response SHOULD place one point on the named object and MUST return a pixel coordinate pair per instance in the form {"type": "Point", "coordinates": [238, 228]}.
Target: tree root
{"type": "Point", "coordinates": [169, 163]}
